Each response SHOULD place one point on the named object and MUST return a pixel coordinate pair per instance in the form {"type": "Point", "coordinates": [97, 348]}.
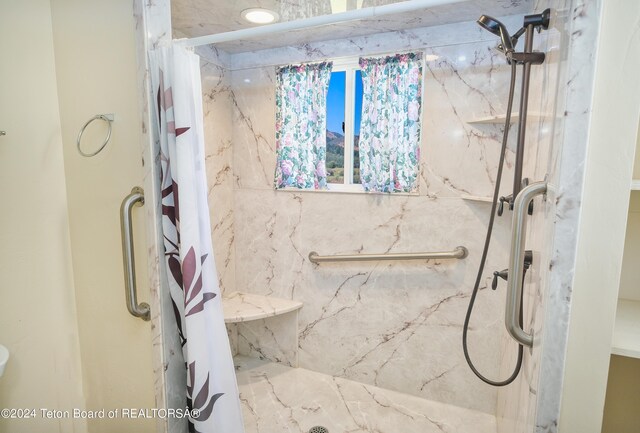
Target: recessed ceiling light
{"type": "Point", "coordinates": [259, 15]}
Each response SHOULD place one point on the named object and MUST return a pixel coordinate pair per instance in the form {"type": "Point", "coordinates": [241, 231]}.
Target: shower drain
{"type": "Point", "coordinates": [318, 429]}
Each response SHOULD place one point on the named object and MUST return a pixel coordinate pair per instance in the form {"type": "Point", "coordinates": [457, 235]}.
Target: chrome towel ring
{"type": "Point", "coordinates": [105, 117]}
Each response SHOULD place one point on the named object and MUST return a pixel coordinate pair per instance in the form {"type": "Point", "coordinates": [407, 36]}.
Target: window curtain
{"type": "Point", "coordinates": [390, 127]}
{"type": "Point", "coordinates": [301, 123]}
{"type": "Point", "coordinates": [193, 283]}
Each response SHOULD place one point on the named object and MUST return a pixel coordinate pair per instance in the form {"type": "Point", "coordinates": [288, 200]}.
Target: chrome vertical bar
{"type": "Point", "coordinates": [516, 262]}
{"type": "Point", "coordinates": [136, 197]}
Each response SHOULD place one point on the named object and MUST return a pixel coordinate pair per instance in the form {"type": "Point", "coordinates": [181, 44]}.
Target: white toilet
{"type": "Point", "coordinates": [4, 357]}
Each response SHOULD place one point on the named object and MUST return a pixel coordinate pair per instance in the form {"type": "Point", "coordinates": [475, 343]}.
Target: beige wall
{"type": "Point", "coordinates": [621, 414]}
{"type": "Point", "coordinates": [37, 305]}
{"type": "Point", "coordinates": [629, 287]}
{"type": "Point", "coordinates": [636, 166]}
{"type": "Point", "coordinates": [96, 67]}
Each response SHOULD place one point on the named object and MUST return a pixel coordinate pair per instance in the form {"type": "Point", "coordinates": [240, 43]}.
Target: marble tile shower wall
{"type": "Point", "coordinates": [556, 152]}
{"type": "Point", "coordinates": [396, 326]}
{"type": "Point", "coordinates": [517, 402]}
{"type": "Point", "coordinates": [358, 322]}
{"type": "Point", "coordinates": [153, 28]}
{"type": "Point", "coordinates": [217, 107]}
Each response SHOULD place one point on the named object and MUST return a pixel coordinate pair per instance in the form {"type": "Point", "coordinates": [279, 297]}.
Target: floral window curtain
{"type": "Point", "coordinates": [211, 382]}
{"type": "Point", "coordinates": [301, 123]}
{"type": "Point", "coordinates": [390, 128]}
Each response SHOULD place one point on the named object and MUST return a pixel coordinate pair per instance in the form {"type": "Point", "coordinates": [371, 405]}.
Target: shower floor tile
{"type": "Point", "coordinates": [280, 399]}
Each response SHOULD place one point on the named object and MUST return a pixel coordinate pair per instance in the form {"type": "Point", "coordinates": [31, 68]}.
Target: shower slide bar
{"type": "Point", "coordinates": [516, 262]}
{"type": "Point", "coordinates": [359, 14]}
{"type": "Point", "coordinates": [457, 253]}
{"type": "Point", "coordinates": [136, 197]}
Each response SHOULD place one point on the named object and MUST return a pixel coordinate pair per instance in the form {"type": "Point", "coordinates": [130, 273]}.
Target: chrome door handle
{"type": "Point", "coordinates": [516, 262]}
{"type": "Point", "coordinates": [136, 197]}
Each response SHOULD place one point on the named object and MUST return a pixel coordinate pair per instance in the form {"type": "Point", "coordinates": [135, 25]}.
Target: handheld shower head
{"type": "Point", "coordinates": [497, 28]}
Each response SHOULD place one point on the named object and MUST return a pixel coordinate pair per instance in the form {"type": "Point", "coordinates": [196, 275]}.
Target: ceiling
{"type": "Point", "coordinates": [191, 18]}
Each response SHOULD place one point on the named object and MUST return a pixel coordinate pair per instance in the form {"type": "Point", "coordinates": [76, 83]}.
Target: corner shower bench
{"type": "Point", "coordinates": [243, 307]}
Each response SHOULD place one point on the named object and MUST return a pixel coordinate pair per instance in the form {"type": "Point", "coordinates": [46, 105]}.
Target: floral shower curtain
{"type": "Point", "coordinates": [193, 282]}
{"type": "Point", "coordinates": [390, 128]}
{"type": "Point", "coordinates": [301, 123]}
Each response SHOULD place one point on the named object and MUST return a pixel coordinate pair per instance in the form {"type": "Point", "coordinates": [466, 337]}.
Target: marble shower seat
{"type": "Point", "coordinates": [280, 399]}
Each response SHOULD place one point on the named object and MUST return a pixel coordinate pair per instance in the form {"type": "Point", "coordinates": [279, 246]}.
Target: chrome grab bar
{"type": "Point", "coordinates": [136, 197]}
{"type": "Point", "coordinates": [516, 262]}
{"type": "Point", "coordinates": [457, 253]}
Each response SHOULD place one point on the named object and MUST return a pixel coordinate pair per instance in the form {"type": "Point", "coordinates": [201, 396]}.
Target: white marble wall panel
{"type": "Point", "coordinates": [153, 27]}
{"type": "Point", "coordinates": [254, 128]}
{"type": "Point", "coordinates": [274, 338]}
{"type": "Point", "coordinates": [566, 168]}
{"type": "Point", "coordinates": [397, 326]}
{"type": "Point", "coordinates": [561, 88]}
{"type": "Point", "coordinates": [205, 17]}
{"type": "Point", "coordinates": [517, 402]}
{"type": "Point", "coordinates": [219, 157]}
{"type": "Point", "coordinates": [401, 40]}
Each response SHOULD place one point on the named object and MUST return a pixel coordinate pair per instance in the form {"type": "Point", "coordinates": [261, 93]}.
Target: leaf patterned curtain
{"type": "Point", "coordinates": [193, 283]}
{"type": "Point", "coordinates": [301, 123]}
{"type": "Point", "coordinates": [390, 128]}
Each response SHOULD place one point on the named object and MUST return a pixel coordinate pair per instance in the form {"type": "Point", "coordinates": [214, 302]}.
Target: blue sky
{"type": "Point", "coordinates": [335, 102]}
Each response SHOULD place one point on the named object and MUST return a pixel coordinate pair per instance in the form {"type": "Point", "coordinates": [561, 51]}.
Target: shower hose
{"type": "Point", "coordinates": [485, 250]}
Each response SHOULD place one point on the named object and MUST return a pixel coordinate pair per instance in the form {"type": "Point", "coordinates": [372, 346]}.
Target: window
{"type": "Point", "coordinates": [330, 135]}
{"type": "Point", "coordinates": [344, 113]}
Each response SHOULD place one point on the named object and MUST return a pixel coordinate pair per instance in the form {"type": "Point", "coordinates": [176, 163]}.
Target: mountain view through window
{"type": "Point", "coordinates": [336, 118]}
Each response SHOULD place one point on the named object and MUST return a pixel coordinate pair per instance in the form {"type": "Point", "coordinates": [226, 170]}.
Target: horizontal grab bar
{"type": "Point", "coordinates": [457, 253]}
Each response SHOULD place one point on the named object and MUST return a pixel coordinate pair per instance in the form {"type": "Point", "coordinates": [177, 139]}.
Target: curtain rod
{"type": "Point", "coordinates": [359, 14]}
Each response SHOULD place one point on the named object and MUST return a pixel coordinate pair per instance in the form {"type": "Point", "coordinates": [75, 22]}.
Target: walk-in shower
{"type": "Point", "coordinates": [360, 336]}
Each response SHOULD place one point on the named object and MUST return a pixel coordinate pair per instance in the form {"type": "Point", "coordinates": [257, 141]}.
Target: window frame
{"type": "Point", "coordinates": [349, 66]}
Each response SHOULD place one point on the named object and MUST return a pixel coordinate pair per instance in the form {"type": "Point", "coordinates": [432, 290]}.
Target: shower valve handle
{"type": "Point", "coordinates": [502, 274]}
{"type": "Point", "coordinates": [503, 199]}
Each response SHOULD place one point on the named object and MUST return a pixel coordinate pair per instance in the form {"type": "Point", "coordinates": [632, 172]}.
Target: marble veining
{"type": "Point", "coordinates": [567, 166]}
{"type": "Point", "coordinates": [557, 153]}
{"type": "Point", "coordinates": [276, 398]}
{"type": "Point", "coordinates": [216, 88]}
{"type": "Point", "coordinates": [274, 338]}
{"type": "Point", "coordinates": [373, 44]}
{"type": "Point", "coordinates": [382, 328]}
{"type": "Point", "coordinates": [517, 403]}
{"type": "Point", "coordinates": [193, 18]}
{"type": "Point", "coordinates": [153, 28]}
{"type": "Point", "coordinates": [396, 326]}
